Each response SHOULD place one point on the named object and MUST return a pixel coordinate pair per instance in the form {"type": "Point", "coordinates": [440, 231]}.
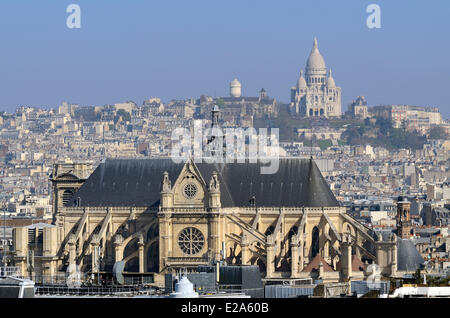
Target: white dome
{"type": "Point", "coordinates": [235, 82]}
{"type": "Point", "coordinates": [315, 60]}
{"type": "Point", "coordinates": [330, 81]}
{"type": "Point", "coordinates": [301, 83]}
{"type": "Point", "coordinates": [235, 88]}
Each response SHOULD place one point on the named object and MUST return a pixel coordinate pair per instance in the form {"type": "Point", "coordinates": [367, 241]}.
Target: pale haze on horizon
{"type": "Point", "coordinates": [184, 49]}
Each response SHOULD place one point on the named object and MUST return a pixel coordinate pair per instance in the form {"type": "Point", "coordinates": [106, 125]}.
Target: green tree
{"type": "Point", "coordinates": [384, 125]}
{"type": "Point", "coordinates": [220, 102]}
{"type": "Point", "coordinates": [437, 132]}
{"type": "Point", "coordinates": [124, 114]}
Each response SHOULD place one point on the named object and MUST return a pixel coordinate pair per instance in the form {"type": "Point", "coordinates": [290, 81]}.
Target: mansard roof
{"type": "Point", "coordinates": [137, 182]}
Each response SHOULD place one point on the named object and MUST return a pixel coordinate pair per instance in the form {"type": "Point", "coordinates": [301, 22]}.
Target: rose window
{"type": "Point", "coordinates": [191, 240]}
{"type": "Point", "coordinates": [190, 190]}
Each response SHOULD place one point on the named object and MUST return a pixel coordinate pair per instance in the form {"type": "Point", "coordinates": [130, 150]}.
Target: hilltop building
{"type": "Point", "coordinates": [316, 94]}
{"type": "Point", "coordinates": [409, 117]}
{"type": "Point", "coordinates": [241, 110]}
{"type": "Point", "coordinates": [358, 108]}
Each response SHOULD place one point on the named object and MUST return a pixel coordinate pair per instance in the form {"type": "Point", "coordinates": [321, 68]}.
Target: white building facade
{"type": "Point", "coordinates": [316, 93]}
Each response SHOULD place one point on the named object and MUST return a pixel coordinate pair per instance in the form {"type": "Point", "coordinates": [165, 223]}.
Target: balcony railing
{"type": "Point", "coordinates": [9, 271]}
{"type": "Point", "coordinates": [187, 260]}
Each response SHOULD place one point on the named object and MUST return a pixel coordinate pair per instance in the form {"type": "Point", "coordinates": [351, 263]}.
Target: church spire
{"type": "Point", "coordinates": [213, 144]}
{"type": "Point", "coordinates": [215, 116]}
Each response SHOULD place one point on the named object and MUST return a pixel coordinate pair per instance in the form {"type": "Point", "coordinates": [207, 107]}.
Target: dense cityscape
{"type": "Point", "coordinates": [195, 154]}
{"type": "Point", "coordinates": [373, 182]}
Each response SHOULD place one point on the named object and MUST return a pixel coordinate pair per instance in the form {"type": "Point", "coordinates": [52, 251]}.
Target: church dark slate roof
{"type": "Point", "coordinates": [137, 182]}
{"type": "Point", "coordinates": [408, 258]}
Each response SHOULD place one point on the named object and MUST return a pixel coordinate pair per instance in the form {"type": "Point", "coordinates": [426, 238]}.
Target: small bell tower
{"type": "Point", "coordinates": [403, 217]}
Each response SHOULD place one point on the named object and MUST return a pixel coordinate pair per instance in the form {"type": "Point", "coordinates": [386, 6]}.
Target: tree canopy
{"type": "Point", "coordinates": [437, 133]}
{"type": "Point", "coordinates": [124, 114]}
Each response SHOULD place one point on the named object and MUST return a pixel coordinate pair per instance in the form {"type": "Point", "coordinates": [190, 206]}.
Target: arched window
{"type": "Point", "coordinates": [315, 242]}
{"type": "Point", "coordinates": [293, 231]}
{"type": "Point", "coordinates": [153, 257]}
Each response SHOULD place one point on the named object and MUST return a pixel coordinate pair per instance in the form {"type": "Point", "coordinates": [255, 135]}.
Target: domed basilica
{"type": "Point", "coordinates": [316, 94]}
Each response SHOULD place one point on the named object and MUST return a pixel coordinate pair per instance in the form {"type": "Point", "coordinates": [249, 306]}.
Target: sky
{"type": "Point", "coordinates": [134, 50]}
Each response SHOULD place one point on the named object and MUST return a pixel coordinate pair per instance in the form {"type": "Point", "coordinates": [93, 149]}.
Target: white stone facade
{"type": "Point", "coordinates": [316, 94]}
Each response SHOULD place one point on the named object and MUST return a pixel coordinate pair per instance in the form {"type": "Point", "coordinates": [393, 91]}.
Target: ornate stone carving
{"type": "Point", "coordinates": [166, 183]}
{"type": "Point", "coordinates": [118, 239]}
{"type": "Point", "coordinates": [72, 239]}
{"type": "Point", "coordinates": [214, 182]}
{"type": "Point", "coordinates": [141, 239]}
{"type": "Point", "coordinates": [393, 237]}
{"type": "Point", "coordinates": [270, 240]}
{"type": "Point", "coordinates": [295, 240]}
{"type": "Point", "coordinates": [95, 239]}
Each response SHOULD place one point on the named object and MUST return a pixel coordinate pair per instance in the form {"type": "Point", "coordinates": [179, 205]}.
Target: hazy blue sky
{"type": "Point", "coordinates": [131, 50]}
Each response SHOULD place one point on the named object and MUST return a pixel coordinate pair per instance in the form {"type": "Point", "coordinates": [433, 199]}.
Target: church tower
{"type": "Point", "coordinates": [215, 113]}
{"type": "Point", "coordinates": [215, 143]}
{"type": "Point", "coordinates": [403, 217]}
